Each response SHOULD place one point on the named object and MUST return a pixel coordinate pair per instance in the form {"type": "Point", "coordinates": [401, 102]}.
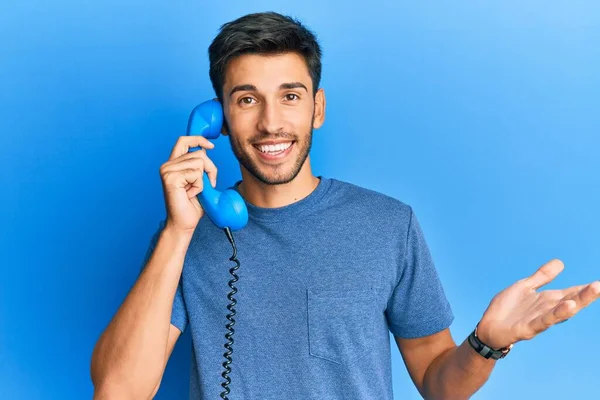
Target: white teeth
{"type": "Point", "coordinates": [274, 148]}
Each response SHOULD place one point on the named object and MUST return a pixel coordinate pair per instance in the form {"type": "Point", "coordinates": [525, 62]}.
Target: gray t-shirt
{"type": "Point", "coordinates": [322, 282]}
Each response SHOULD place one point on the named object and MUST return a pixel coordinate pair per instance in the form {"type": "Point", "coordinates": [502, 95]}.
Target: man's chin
{"type": "Point", "coordinates": [274, 180]}
{"type": "Point", "coordinates": [270, 177]}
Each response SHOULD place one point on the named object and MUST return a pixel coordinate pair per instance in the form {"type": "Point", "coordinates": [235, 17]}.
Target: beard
{"type": "Point", "coordinates": [272, 175]}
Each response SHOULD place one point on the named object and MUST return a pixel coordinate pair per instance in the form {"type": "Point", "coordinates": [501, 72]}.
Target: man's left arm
{"type": "Point", "coordinates": [442, 370]}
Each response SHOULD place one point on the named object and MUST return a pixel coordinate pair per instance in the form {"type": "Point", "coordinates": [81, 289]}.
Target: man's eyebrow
{"type": "Point", "coordinates": [292, 85]}
{"type": "Point", "coordinates": [239, 88]}
{"type": "Point", "coordinates": [283, 86]}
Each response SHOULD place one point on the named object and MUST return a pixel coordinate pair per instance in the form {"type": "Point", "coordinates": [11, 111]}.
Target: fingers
{"type": "Point", "coordinates": [184, 143]}
{"type": "Point", "coordinates": [187, 174]}
{"type": "Point", "coordinates": [587, 295]}
{"type": "Point", "coordinates": [570, 292]}
{"type": "Point", "coordinates": [568, 306]}
{"type": "Point", "coordinates": [562, 311]}
{"type": "Point", "coordinates": [545, 274]}
{"type": "Point", "coordinates": [211, 170]}
{"type": "Point", "coordinates": [193, 160]}
{"type": "Point", "coordinates": [193, 177]}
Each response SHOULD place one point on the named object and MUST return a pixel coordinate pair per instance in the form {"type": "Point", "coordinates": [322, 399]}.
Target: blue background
{"type": "Point", "coordinates": [483, 117]}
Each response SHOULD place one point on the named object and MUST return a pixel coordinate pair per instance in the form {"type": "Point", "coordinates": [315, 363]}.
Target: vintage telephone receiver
{"type": "Point", "coordinates": [226, 209]}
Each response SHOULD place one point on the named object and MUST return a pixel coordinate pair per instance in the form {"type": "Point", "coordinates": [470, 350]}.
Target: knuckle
{"type": "Point", "coordinates": [168, 177]}
{"type": "Point", "coordinates": [191, 162]}
{"type": "Point", "coordinates": [192, 173]}
{"type": "Point", "coordinates": [529, 335]}
{"type": "Point", "coordinates": [178, 142]}
{"type": "Point", "coordinates": [196, 168]}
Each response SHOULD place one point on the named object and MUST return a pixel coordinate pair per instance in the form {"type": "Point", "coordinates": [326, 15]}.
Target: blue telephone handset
{"type": "Point", "coordinates": [225, 209]}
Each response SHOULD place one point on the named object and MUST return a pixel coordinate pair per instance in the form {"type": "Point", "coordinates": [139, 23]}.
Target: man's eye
{"type": "Point", "coordinates": [291, 97]}
{"type": "Point", "coordinates": [246, 100]}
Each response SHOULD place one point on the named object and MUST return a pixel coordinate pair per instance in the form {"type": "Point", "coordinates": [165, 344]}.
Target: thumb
{"type": "Point", "coordinates": [545, 274]}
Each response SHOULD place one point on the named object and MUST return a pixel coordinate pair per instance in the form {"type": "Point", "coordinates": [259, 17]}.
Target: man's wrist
{"type": "Point", "coordinates": [176, 239]}
{"type": "Point", "coordinates": [491, 337]}
{"type": "Point", "coordinates": [177, 235]}
{"type": "Point", "coordinates": [482, 342]}
{"type": "Point", "coordinates": [485, 335]}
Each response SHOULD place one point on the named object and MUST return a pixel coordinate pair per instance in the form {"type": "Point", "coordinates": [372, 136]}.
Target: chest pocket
{"type": "Point", "coordinates": [341, 323]}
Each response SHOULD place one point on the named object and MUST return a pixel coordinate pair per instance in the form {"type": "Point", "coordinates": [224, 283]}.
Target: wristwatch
{"type": "Point", "coordinates": [485, 350]}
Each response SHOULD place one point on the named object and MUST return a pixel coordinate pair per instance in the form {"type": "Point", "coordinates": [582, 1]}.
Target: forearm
{"type": "Point", "coordinates": [130, 354]}
{"type": "Point", "coordinates": [457, 374]}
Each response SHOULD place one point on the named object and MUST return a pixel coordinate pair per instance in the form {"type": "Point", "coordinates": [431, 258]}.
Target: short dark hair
{"type": "Point", "coordinates": [262, 33]}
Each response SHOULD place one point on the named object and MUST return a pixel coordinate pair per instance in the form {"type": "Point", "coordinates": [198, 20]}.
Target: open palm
{"type": "Point", "coordinates": [520, 312]}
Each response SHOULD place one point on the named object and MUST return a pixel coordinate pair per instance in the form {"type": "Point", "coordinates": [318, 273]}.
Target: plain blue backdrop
{"type": "Point", "coordinates": [484, 117]}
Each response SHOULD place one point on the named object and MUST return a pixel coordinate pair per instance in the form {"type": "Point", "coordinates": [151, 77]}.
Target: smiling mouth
{"type": "Point", "coordinates": [273, 149]}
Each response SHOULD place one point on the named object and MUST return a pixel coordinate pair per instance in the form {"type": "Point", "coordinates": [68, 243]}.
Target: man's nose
{"type": "Point", "coordinates": [270, 120]}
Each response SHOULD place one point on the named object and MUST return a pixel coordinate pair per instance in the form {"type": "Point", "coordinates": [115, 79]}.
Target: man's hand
{"type": "Point", "coordinates": [182, 179]}
{"type": "Point", "coordinates": [520, 312]}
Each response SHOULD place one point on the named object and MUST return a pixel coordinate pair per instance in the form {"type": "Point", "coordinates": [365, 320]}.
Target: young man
{"type": "Point", "coordinates": [328, 268]}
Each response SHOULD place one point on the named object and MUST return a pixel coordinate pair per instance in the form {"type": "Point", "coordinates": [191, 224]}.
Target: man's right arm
{"type": "Point", "coordinates": [130, 357]}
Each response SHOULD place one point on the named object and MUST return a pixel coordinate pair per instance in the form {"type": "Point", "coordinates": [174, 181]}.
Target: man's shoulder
{"type": "Point", "coordinates": [364, 197]}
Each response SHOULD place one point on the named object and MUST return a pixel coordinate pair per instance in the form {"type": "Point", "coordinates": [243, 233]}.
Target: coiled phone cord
{"type": "Point", "coordinates": [230, 316]}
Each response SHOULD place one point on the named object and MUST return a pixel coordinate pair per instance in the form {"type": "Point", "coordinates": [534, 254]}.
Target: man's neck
{"type": "Point", "coordinates": [271, 196]}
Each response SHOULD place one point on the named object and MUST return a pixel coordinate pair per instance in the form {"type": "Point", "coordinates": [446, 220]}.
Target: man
{"type": "Point", "coordinates": [327, 270]}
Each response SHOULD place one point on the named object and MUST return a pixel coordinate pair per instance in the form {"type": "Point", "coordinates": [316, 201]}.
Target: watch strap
{"type": "Point", "coordinates": [485, 350]}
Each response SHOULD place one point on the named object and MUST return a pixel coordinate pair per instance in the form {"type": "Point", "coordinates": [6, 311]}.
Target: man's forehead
{"type": "Point", "coordinates": [266, 71]}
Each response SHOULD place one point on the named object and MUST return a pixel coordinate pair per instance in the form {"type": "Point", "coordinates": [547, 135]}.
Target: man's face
{"type": "Point", "coordinates": [270, 113]}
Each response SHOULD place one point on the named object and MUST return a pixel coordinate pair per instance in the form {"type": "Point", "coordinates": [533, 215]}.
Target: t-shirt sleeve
{"type": "Point", "coordinates": [179, 317]}
{"type": "Point", "coordinates": [418, 305]}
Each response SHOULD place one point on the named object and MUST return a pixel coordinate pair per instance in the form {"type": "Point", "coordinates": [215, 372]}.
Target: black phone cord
{"type": "Point", "coordinates": [229, 326]}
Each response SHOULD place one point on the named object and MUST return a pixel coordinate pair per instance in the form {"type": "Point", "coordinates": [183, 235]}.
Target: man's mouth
{"type": "Point", "coordinates": [274, 151]}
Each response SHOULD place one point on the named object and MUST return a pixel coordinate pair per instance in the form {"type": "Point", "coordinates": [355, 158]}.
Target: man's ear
{"type": "Point", "coordinates": [319, 114]}
{"type": "Point", "coordinates": [224, 126]}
